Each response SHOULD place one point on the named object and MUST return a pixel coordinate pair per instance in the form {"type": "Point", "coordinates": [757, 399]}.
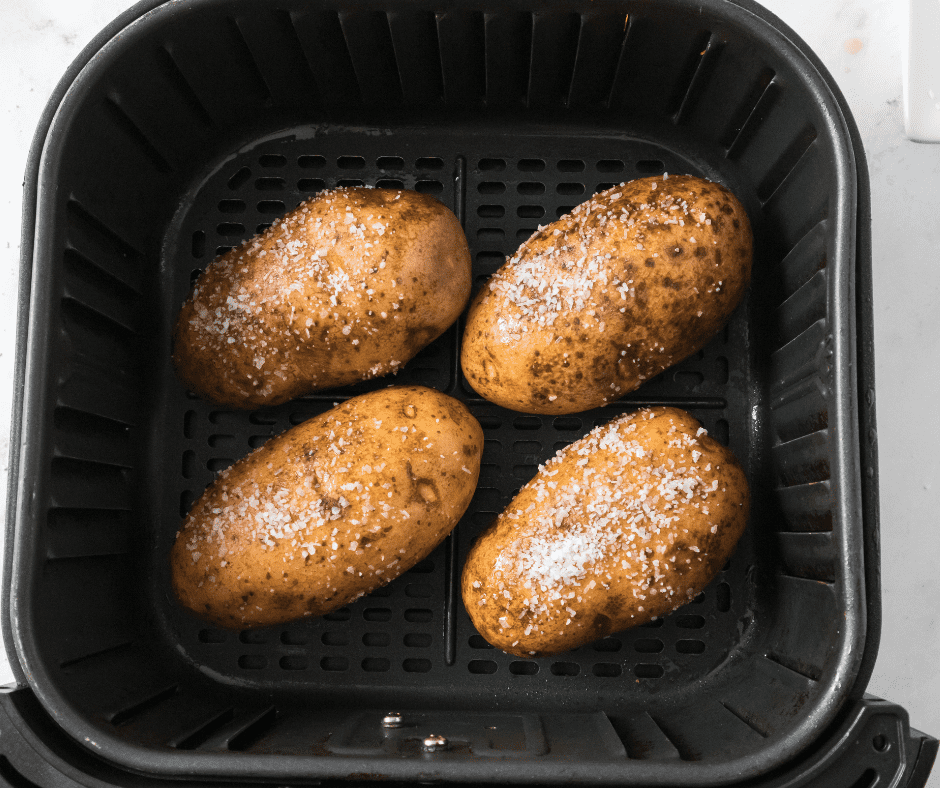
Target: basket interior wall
{"type": "Point", "coordinates": [511, 118]}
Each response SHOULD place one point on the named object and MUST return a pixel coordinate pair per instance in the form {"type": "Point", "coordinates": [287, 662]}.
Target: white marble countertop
{"type": "Point", "coordinates": [860, 43]}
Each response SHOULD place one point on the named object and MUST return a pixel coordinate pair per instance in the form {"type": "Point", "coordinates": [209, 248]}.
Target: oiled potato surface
{"type": "Point", "coordinates": [622, 526]}
{"type": "Point", "coordinates": [329, 510]}
{"type": "Point", "coordinates": [629, 283]}
{"type": "Point", "coordinates": [350, 285]}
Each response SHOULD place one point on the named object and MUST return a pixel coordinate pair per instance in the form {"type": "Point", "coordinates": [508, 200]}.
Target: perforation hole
{"type": "Point", "coordinates": [607, 670]}
{"type": "Point", "coordinates": [562, 210]}
{"type": "Point", "coordinates": [610, 165]}
{"type": "Point", "coordinates": [525, 233]}
{"type": "Point", "coordinates": [649, 166]}
{"type": "Point", "coordinates": [350, 162]}
{"type": "Point", "coordinates": [293, 662]}
{"type": "Point", "coordinates": [222, 441]}
{"type": "Point", "coordinates": [565, 668]}
{"type": "Point", "coordinates": [418, 615]}
{"type": "Point", "coordinates": [492, 165]}
{"type": "Point", "coordinates": [690, 622]}
{"type": "Point", "coordinates": [603, 187]}
{"type": "Point", "coordinates": [232, 206]}
{"type": "Point", "coordinates": [429, 187]}
{"type": "Point", "coordinates": [491, 211]}
{"type": "Point", "coordinates": [254, 441]}
{"type": "Point", "coordinates": [648, 646]}
{"type": "Point", "coordinates": [723, 597]}
{"type": "Point", "coordinates": [527, 423]}
{"type": "Point", "coordinates": [334, 664]}
{"type": "Point", "coordinates": [477, 641]}
{"type": "Point", "coordinates": [334, 639]}
{"type": "Point", "coordinates": [376, 664]}
{"type": "Point", "coordinates": [269, 184]}
{"type": "Point", "coordinates": [239, 179]}
{"type": "Point", "coordinates": [688, 379]}
{"type": "Point", "coordinates": [690, 646]}
{"type": "Point", "coordinates": [376, 639]}
{"type": "Point", "coordinates": [390, 163]}
{"type": "Point", "coordinates": [483, 519]}
{"type": "Point", "coordinates": [571, 165]}
{"type": "Point", "coordinates": [424, 567]}
{"type": "Point", "coordinates": [531, 165]}
{"type": "Point", "coordinates": [186, 502]}
{"type": "Point", "coordinates": [721, 432]}
{"type": "Point", "coordinates": [656, 623]}
{"type": "Point", "coordinates": [189, 424]}
{"type": "Point", "coordinates": [647, 671]}
{"type": "Point", "coordinates": [379, 593]}
{"type": "Point", "coordinates": [416, 665]}
{"type": "Point", "coordinates": [530, 211]}
{"type": "Point", "coordinates": [253, 636]}
{"type": "Point", "coordinates": [311, 184]}
{"type": "Point", "coordinates": [490, 234]}
{"type": "Point", "coordinates": [343, 614]}
{"type": "Point", "coordinates": [377, 614]}
{"type": "Point", "coordinates": [430, 163]}
{"type": "Point", "coordinates": [491, 187]}
{"type": "Point", "coordinates": [531, 188]}
{"type": "Point", "coordinates": [567, 423]}
{"type": "Point", "coordinates": [418, 591]}
{"type": "Point", "coordinates": [608, 645]}
{"type": "Point", "coordinates": [190, 466]}
{"type": "Point", "coordinates": [699, 599]}
{"type": "Point", "coordinates": [350, 183]}
{"type": "Point", "coordinates": [389, 183]}
{"type": "Point", "coordinates": [490, 258]}
{"type": "Point", "coordinates": [570, 188]}
{"type": "Point", "coordinates": [228, 229]}
{"type": "Point", "coordinates": [212, 636]}
{"type": "Point", "coordinates": [217, 464]}
{"type": "Point", "coordinates": [271, 206]}
{"type": "Point", "coordinates": [199, 250]}
{"type": "Point", "coordinates": [527, 447]}
{"type": "Point", "coordinates": [311, 162]}
{"type": "Point", "coordinates": [293, 639]}
{"type": "Point", "coordinates": [482, 666]}
{"type": "Point", "coordinates": [521, 668]}
{"type": "Point", "coordinates": [524, 472]}
{"type": "Point", "coordinates": [262, 227]}
{"type": "Point", "coordinates": [417, 640]}
{"type": "Point", "coordinates": [252, 661]}
{"type": "Point", "coordinates": [272, 160]}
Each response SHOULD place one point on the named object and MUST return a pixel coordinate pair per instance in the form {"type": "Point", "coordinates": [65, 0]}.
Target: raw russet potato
{"type": "Point", "coordinates": [620, 527]}
{"type": "Point", "coordinates": [348, 286]}
{"type": "Point", "coordinates": [629, 283]}
{"type": "Point", "coordinates": [328, 510]}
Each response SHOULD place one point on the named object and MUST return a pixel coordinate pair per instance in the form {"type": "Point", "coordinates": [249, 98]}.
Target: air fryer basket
{"type": "Point", "coordinates": [199, 123]}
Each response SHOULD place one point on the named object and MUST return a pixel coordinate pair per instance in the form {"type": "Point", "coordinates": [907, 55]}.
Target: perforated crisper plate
{"type": "Point", "coordinates": [415, 632]}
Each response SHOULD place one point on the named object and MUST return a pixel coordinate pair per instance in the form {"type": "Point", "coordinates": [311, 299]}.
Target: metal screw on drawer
{"type": "Point", "coordinates": [434, 743]}
{"type": "Point", "coordinates": [393, 720]}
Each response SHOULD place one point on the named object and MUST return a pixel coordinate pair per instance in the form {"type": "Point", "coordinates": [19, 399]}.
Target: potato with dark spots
{"type": "Point", "coordinates": [329, 510]}
{"type": "Point", "coordinates": [620, 527]}
{"type": "Point", "coordinates": [328, 295]}
{"type": "Point", "coordinates": [640, 277]}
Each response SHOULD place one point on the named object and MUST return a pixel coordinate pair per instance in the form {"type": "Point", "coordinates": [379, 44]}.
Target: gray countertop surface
{"type": "Point", "coordinates": [860, 42]}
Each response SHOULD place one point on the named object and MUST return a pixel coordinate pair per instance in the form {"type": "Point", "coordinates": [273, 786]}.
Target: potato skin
{"type": "Point", "coordinates": [629, 283]}
{"type": "Point", "coordinates": [581, 528]}
{"type": "Point", "coordinates": [348, 286]}
{"type": "Point", "coordinates": [328, 510]}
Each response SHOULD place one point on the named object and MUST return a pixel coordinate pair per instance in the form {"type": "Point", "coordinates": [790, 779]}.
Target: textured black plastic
{"type": "Point", "coordinates": [510, 115]}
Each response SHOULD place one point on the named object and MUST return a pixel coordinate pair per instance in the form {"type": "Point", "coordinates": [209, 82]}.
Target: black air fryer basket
{"type": "Point", "coordinates": [187, 127]}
